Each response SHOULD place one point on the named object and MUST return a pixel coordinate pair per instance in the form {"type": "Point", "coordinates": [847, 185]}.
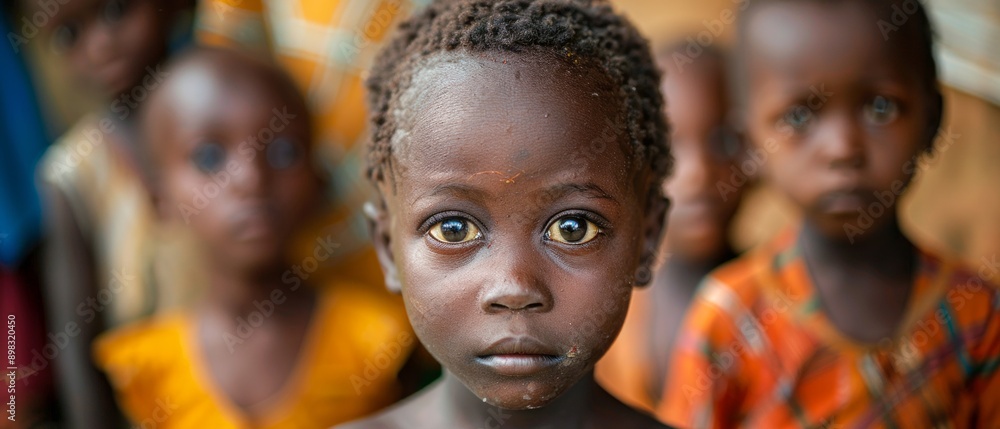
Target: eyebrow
{"type": "Point", "coordinates": [589, 190]}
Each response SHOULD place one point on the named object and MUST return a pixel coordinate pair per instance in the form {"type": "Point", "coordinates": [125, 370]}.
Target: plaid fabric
{"type": "Point", "coordinates": [757, 351]}
{"type": "Point", "coordinates": [327, 47]}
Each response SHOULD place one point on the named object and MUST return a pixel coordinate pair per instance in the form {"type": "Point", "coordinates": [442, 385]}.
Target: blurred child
{"type": "Point", "coordinates": [518, 152]}
{"type": "Point", "coordinates": [842, 322]}
{"type": "Point", "coordinates": [98, 210]}
{"type": "Point", "coordinates": [703, 203]}
{"type": "Point", "coordinates": [262, 348]}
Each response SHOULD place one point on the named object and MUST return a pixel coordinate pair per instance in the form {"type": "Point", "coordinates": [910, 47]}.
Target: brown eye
{"type": "Point", "coordinates": [282, 153]}
{"type": "Point", "coordinates": [572, 230]}
{"type": "Point", "coordinates": [64, 37]}
{"type": "Point", "coordinates": [881, 110]}
{"type": "Point", "coordinates": [114, 10]}
{"type": "Point", "coordinates": [208, 157]}
{"type": "Point", "coordinates": [799, 117]}
{"type": "Point", "coordinates": [724, 144]}
{"type": "Point", "coordinates": [454, 230]}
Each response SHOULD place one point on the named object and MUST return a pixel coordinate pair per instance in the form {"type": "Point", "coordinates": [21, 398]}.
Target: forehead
{"type": "Point", "coordinates": [530, 114]}
{"type": "Point", "coordinates": [212, 94]}
{"type": "Point", "coordinates": [72, 9]}
{"type": "Point", "coordinates": [819, 41]}
{"type": "Point", "coordinates": [693, 92]}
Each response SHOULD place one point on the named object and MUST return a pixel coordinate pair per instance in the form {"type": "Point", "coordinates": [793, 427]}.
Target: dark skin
{"type": "Point", "coordinates": [704, 149]}
{"type": "Point", "coordinates": [833, 159]}
{"type": "Point", "coordinates": [247, 228]}
{"type": "Point", "coordinates": [108, 44]}
{"type": "Point", "coordinates": [503, 249]}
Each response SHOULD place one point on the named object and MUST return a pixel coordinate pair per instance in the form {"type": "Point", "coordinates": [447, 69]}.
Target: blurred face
{"type": "Point", "coordinates": [109, 43]}
{"type": "Point", "coordinates": [705, 149]}
{"type": "Point", "coordinates": [843, 108]}
{"type": "Point", "coordinates": [515, 245]}
{"type": "Point", "coordinates": [235, 163]}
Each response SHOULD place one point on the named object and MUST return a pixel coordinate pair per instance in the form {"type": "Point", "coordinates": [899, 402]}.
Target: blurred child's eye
{"type": "Point", "coordinates": [282, 153]}
{"type": "Point", "coordinates": [454, 230]}
{"type": "Point", "coordinates": [64, 37]}
{"type": "Point", "coordinates": [572, 230]}
{"type": "Point", "coordinates": [725, 144]}
{"type": "Point", "coordinates": [881, 110]}
{"type": "Point", "coordinates": [798, 118]}
{"type": "Point", "coordinates": [114, 10]}
{"type": "Point", "coordinates": [208, 157]}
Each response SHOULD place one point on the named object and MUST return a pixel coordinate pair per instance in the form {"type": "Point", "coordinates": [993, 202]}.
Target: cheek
{"type": "Point", "coordinates": [597, 318]}
{"type": "Point", "coordinates": [894, 147]}
{"type": "Point", "coordinates": [297, 191]}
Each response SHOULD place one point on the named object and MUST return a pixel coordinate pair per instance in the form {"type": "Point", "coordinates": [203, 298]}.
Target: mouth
{"type": "Point", "coordinates": [519, 356]}
{"type": "Point", "coordinates": [845, 201]}
{"type": "Point", "coordinates": [254, 223]}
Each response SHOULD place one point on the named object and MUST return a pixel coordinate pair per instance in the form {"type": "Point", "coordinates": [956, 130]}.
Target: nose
{"type": "Point", "coordinates": [251, 178]}
{"type": "Point", "coordinates": [97, 40]}
{"type": "Point", "coordinates": [842, 142]}
{"type": "Point", "coordinates": [515, 290]}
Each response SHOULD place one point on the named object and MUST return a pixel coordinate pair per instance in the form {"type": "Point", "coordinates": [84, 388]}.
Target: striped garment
{"type": "Point", "coordinates": [757, 351]}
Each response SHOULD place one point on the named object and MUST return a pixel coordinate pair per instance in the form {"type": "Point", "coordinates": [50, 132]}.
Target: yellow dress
{"type": "Point", "coordinates": [347, 368]}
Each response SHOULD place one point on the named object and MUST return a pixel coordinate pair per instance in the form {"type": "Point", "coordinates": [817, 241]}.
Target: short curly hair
{"type": "Point", "coordinates": [587, 30]}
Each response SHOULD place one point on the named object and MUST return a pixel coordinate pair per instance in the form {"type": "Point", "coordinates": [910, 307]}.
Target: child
{"type": "Point", "coordinates": [704, 202]}
{"type": "Point", "coordinates": [262, 349]}
{"type": "Point", "coordinates": [518, 151]}
{"type": "Point", "coordinates": [98, 209]}
{"type": "Point", "coordinates": [844, 322]}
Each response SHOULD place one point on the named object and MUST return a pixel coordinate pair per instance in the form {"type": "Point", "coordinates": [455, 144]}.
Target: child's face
{"type": "Point", "coordinates": [704, 150]}
{"type": "Point", "coordinates": [235, 163]}
{"type": "Point", "coordinates": [842, 109]}
{"type": "Point", "coordinates": [109, 43]}
{"type": "Point", "coordinates": [515, 221]}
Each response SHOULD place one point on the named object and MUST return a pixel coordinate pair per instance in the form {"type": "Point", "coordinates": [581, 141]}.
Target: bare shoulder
{"type": "Point", "coordinates": [417, 411]}
{"type": "Point", "coordinates": [610, 412]}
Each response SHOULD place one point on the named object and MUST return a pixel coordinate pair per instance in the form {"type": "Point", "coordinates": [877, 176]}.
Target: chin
{"type": "Point", "coordinates": [523, 397]}
{"type": "Point", "coordinates": [511, 393]}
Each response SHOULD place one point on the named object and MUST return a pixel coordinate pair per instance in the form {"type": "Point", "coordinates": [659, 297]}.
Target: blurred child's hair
{"type": "Point", "coordinates": [578, 31]}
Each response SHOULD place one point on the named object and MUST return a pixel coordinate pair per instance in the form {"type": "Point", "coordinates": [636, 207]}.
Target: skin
{"type": "Point", "coordinates": [109, 43]}
{"type": "Point", "coordinates": [111, 54]}
{"type": "Point", "coordinates": [704, 150]}
{"type": "Point", "coordinates": [511, 176]}
{"type": "Point", "coordinates": [832, 160]}
{"type": "Point", "coordinates": [247, 228]}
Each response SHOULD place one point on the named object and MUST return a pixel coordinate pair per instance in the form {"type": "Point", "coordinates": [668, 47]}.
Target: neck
{"type": "Point", "coordinates": [686, 273]}
{"type": "Point", "coordinates": [885, 251]}
{"type": "Point", "coordinates": [467, 410]}
{"type": "Point", "coordinates": [240, 293]}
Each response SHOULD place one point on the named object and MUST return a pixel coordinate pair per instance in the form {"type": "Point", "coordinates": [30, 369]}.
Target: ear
{"type": "Point", "coordinates": [654, 225]}
{"type": "Point", "coordinates": [378, 229]}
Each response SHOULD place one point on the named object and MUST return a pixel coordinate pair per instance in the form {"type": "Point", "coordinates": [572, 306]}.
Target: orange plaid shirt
{"type": "Point", "coordinates": [757, 351]}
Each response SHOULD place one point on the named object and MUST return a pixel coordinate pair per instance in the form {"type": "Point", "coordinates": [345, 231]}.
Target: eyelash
{"type": "Point", "coordinates": [425, 227]}
{"type": "Point", "coordinates": [598, 220]}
